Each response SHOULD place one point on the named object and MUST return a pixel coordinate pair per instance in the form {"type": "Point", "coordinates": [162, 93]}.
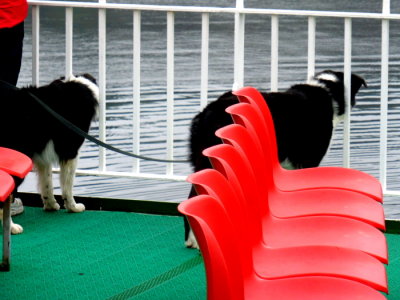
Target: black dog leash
{"type": "Point", "coordinates": [82, 133]}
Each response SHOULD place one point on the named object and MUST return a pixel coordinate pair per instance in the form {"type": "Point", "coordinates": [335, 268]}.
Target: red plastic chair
{"type": "Point", "coordinates": [16, 164]}
{"type": "Point", "coordinates": [299, 203]}
{"type": "Point", "coordinates": [229, 265]}
{"type": "Point", "coordinates": [311, 178]}
{"type": "Point", "coordinates": [306, 231]}
{"type": "Point", "coordinates": [7, 186]}
{"type": "Point", "coordinates": [289, 262]}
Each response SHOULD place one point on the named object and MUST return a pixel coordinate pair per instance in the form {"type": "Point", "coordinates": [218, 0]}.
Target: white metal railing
{"type": "Point", "coordinates": [240, 12]}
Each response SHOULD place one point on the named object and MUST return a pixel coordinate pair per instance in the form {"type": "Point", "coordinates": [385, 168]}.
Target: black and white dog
{"type": "Point", "coordinates": [304, 118]}
{"type": "Point", "coordinates": [27, 127]}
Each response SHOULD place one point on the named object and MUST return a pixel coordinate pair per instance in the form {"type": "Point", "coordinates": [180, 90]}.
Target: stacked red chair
{"type": "Point", "coordinates": [230, 267]}
{"type": "Point", "coordinates": [16, 164]}
{"type": "Point", "coordinates": [274, 262]}
{"type": "Point", "coordinates": [259, 241]}
{"type": "Point", "coordinates": [310, 178]}
{"type": "Point", "coordinates": [307, 202]}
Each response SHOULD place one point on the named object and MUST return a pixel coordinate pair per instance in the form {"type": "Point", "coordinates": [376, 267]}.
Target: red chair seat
{"type": "Point", "coordinates": [325, 231]}
{"type": "Point", "coordinates": [339, 178]}
{"type": "Point", "coordinates": [15, 163]}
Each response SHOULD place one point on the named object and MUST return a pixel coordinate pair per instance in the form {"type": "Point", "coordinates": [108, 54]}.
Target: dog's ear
{"type": "Point", "coordinates": [356, 83]}
{"type": "Point", "coordinates": [57, 82]}
{"type": "Point", "coordinates": [90, 77]}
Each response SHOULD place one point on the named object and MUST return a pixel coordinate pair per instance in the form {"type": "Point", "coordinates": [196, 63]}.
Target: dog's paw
{"type": "Point", "coordinates": [191, 242]}
{"type": "Point", "coordinates": [16, 229]}
{"type": "Point", "coordinates": [51, 206]}
{"type": "Point", "coordinates": [77, 208]}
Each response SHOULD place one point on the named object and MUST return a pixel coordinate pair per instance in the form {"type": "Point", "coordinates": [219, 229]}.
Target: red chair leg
{"type": "Point", "coordinates": [5, 265]}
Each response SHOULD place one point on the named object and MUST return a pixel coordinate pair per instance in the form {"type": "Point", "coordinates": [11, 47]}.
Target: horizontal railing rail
{"type": "Point", "coordinates": [231, 10]}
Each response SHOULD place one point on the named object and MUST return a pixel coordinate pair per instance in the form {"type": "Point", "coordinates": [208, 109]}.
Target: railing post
{"type": "Point", "coordinates": [68, 41]}
{"type": "Point", "coordinates": [136, 87]}
{"type": "Point", "coordinates": [384, 95]}
{"type": "Point", "coordinates": [205, 29]}
{"type": "Point", "coordinates": [311, 47]}
{"type": "Point", "coordinates": [274, 52]}
{"type": "Point", "coordinates": [170, 88]}
{"type": "Point", "coordinates": [239, 47]}
{"type": "Point", "coordinates": [102, 85]}
{"type": "Point", "coordinates": [35, 44]}
{"type": "Point", "coordinates": [347, 95]}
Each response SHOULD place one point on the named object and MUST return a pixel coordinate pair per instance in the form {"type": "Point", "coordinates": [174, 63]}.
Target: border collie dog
{"type": "Point", "coordinates": [27, 127]}
{"type": "Point", "coordinates": [304, 118]}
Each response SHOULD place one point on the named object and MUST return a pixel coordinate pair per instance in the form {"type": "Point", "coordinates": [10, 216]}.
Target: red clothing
{"type": "Point", "coordinates": [12, 12]}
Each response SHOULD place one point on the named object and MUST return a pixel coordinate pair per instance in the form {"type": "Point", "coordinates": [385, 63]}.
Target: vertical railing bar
{"type": "Point", "coordinates": [274, 52]}
{"type": "Point", "coordinates": [347, 90]}
{"type": "Point", "coordinates": [238, 61]}
{"type": "Point", "coordinates": [386, 6]}
{"type": "Point", "coordinates": [384, 96]}
{"type": "Point", "coordinates": [35, 44]}
{"type": "Point", "coordinates": [205, 37]}
{"type": "Point", "coordinates": [170, 89]}
{"type": "Point", "coordinates": [136, 86]}
{"type": "Point", "coordinates": [102, 85]}
{"type": "Point", "coordinates": [311, 47]}
{"type": "Point", "coordinates": [68, 41]}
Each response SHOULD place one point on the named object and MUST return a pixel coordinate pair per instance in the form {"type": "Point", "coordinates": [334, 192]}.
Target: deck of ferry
{"type": "Point", "coordinates": [125, 254]}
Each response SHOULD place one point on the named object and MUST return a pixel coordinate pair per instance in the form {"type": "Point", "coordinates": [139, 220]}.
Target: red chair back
{"type": "Point", "coordinates": [213, 183]}
{"type": "Point", "coordinates": [240, 138]}
{"type": "Point", "coordinates": [220, 246]}
{"type": "Point", "coordinates": [247, 115]}
{"type": "Point", "coordinates": [253, 97]}
{"type": "Point", "coordinates": [240, 178]}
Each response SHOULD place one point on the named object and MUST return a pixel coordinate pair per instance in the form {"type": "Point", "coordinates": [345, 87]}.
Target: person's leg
{"type": "Point", "coordinates": [11, 40]}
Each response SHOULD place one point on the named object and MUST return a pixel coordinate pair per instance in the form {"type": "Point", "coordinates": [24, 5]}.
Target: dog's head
{"type": "Point", "coordinates": [85, 79]}
{"type": "Point", "coordinates": [334, 83]}
{"type": "Point", "coordinates": [84, 83]}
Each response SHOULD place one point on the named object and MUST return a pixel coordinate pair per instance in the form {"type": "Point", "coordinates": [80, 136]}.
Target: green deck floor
{"type": "Point", "coordinates": [114, 255]}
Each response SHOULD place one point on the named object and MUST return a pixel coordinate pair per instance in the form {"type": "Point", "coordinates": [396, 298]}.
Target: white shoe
{"type": "Point", "coordinates": [17, 207]}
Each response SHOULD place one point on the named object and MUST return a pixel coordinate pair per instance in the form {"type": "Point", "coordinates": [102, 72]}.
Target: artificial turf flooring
{"type": "Point", "coordinates": [114, 255]}
{"type": "Point", "coordinates": [101, 255]}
